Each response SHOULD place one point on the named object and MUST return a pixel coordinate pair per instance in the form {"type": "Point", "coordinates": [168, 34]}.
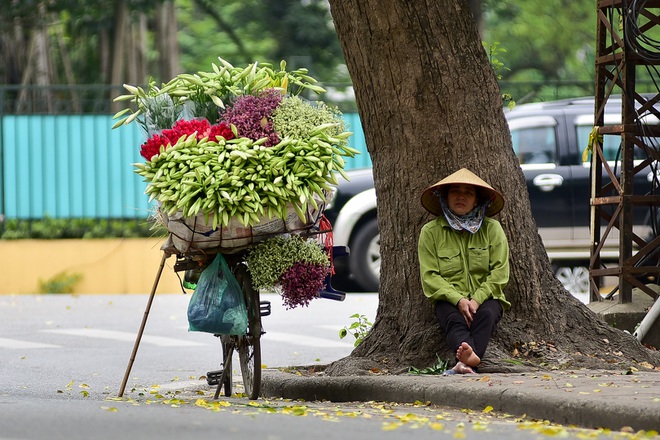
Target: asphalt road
{"type": "Point", "coordinates": [43, 336]}
{"type": "Point", "coordinates": [63, 358]}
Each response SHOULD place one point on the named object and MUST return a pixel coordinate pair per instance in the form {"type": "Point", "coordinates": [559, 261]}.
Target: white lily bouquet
{"type": "Point", "coordinates": [235, 153]}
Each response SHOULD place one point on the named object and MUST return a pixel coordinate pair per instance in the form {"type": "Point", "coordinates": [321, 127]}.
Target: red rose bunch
{"type": "Point", "coordinates": [184, 128]}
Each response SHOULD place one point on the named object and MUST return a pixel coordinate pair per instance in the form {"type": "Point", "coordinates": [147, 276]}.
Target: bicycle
{"type": "Point", "coordinates": [247, 345]}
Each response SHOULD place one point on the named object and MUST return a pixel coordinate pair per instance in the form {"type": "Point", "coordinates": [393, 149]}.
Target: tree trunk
{"type": "Point", "coordinates": [13, 53]}
{"type": "Point", "coordinates": [118, 52]}
{"type": "Point", "coordinates": [136, 42]}
{"type": "Point", "coordinates": [476, 7]}
{"type": "Point", "coordinates": [166, 41]}
{"type": "Point", "coordinates": [76, 105]}
{"type": "Point", "coordinates": [39, 71]}
{"type": "Point", "coordinates": [121, 24]}
{"type": "Point", "coordinates": [104, 50]}
{"type": "Point", "coordinates": [430, 104]}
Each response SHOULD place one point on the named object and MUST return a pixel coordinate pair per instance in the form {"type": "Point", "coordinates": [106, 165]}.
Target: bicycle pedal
{"type": "Point", "coordinates": [264, 308]}
{"type": "Point", "coordinates": [213, 377]}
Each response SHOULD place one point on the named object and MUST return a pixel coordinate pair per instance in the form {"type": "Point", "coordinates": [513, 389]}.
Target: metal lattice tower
{"type": "Point", "coordinates": [626, 48]}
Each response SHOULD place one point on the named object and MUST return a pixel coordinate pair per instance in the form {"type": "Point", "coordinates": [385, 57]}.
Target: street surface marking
{"type": "Point", "coordinates": [308, 341]}
{"type": "Point", "coordinates": [330, 326]}
{"type": "Point", "coordinates": [15, 343]}
{"type": "Point", "coordinates": [159, 341]}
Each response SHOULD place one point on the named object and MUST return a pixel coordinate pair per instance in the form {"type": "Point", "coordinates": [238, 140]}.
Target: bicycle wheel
{"type": "Point", "coordinates": [249, 345]}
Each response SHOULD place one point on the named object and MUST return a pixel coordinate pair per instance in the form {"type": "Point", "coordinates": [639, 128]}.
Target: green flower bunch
{"type": "Point", "coordinates": [160, 111]}
{"type": "Point", "coordinates": [298, 119]}
{"type": "Point", "coordinates": [204, 93]}
{"type": "Point", "coordinates": [270, 259]}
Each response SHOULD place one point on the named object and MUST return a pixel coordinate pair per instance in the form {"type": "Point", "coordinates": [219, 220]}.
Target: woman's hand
{"type": "Point", "coordinates": [474, 305]}
{"type": "Point", "coordinates": [464, 307]}
{"type": "Point", "coordinates": [467, 307]}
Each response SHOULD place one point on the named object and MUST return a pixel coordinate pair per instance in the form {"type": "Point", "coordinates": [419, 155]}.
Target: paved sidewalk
{"type": "Point", "coordinates": [585, 398]}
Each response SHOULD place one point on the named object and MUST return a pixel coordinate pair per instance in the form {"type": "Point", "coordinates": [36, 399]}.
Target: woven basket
{"type": "Point", "coordinates": [192, 235]}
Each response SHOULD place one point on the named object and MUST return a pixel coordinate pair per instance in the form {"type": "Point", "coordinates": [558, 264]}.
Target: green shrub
{"type": "Point", "coordinates": [63, 228]}
{"type": "Point", "coordinates": [62, 282]}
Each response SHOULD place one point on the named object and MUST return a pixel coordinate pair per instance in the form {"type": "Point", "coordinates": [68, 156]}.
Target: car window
{"type": "Point", "coordinates": [611, 143]}
{"type": "Point", "coordinates": [534, 145]}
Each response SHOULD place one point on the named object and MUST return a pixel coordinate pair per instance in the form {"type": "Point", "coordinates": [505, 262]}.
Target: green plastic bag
{"type": "Point", "coordinates": [217, 305]}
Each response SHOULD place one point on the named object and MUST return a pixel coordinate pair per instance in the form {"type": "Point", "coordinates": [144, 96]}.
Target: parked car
{"type": "Point", "coordinates": [548, 139]}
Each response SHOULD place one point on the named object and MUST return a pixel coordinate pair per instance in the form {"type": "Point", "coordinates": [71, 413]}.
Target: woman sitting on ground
{"type": "Point", "coordinates": [464, 263]}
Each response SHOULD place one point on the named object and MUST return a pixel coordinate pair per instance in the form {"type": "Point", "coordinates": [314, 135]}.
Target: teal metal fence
{"type": "Point", "coordinates": [72, 166]}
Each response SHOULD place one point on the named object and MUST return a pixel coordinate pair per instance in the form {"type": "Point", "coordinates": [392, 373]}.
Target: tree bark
{"type": "Point", "coordinates": [136, 41]}
{"type": "Point", "coordinates": [166, 40]}
{"type": "Point", "coordinates": [119, 40]}
{"type": "Point", "coordinates": [430, 104]}
{"type": "Point", "coordinates": [39, 70]}
{"type": "Point", "coordinates": [67, 67]}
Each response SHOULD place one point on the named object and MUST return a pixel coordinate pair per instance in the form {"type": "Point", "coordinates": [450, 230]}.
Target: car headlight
{"type": "Point", "coordinates": [331, 198]}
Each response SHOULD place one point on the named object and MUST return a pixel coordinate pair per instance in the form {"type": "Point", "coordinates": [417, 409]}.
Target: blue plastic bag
{"type": "Point", "coordinates": [217, 305]}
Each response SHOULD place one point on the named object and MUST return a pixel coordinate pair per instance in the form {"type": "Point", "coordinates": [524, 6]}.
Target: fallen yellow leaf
{"type": "Point", "coordinates": [391, 426]}
{"type": "Point", "coordinates": [478, 426]}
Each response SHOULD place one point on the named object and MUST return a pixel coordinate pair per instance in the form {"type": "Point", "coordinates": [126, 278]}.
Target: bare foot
{"type": "Point", "coordinates": [461, 368]}
{"type": "Point", "coordinates": [466, 355]}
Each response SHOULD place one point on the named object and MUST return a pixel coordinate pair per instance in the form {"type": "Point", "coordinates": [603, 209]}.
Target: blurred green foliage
{"type": "Point", "coordinates": [550, 48]}
{"type": "Point", "coordinates": [64, 228]}
{"type": "Point", "coordinates": [240, 31]}
{"type": "Point", "coordinates": [541, 62]}
{"type": "Point", "coordinates": [245, 31]}
{"type": "Point", "coordinates": [62, 282]}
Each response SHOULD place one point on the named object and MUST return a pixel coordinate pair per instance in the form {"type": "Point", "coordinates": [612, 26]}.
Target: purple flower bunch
{"type": "Point", "coordinates": [301, 283]}
{"type": "Point", "coordinates": [252, 116]}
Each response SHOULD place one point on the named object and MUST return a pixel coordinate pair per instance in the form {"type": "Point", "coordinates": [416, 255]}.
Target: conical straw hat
{"type": "Point", "coordinates": [431, 202]}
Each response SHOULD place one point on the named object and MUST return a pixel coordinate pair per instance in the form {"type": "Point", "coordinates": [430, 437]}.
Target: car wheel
{"type": "Point", "coordinates": [575, 280]}
{"type": "Point", "coordinates": [365, 256]}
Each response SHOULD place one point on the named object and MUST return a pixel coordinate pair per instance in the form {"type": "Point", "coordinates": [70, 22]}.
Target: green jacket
{"type": "Point", "coordinates": [457, 265]}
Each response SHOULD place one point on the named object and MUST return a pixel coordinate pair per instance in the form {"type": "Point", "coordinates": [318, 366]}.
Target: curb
{"type": "Point", "coordinates": [554, 404]}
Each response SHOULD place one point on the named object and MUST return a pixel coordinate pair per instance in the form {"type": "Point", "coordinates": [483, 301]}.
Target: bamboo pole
{"type": "Point", "coordinates": [144, 322]}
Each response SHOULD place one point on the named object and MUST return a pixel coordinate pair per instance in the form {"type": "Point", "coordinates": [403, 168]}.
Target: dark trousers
{"type": "Point", "coordinates": [478, 334]}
